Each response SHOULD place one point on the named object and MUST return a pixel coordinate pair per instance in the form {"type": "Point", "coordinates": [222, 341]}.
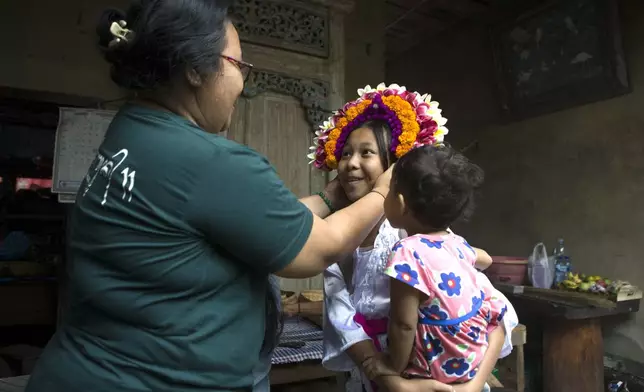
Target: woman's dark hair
{"type": "Point", "coordinates": [169, 36]}
{"type": "Point", "coordinates": [438, 185]}
{"type": "Point", "coordinates": [382, 132]}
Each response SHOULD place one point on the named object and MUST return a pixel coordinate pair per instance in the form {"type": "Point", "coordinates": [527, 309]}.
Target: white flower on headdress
{"type": "Point", "coordinates": [427, 98]}
{"type": "Point", "coordinates": [363, 91]}
{"type": "Point", "coordinates": [440, 133]}
{"type": "Point", "coordinates": [399, 89]}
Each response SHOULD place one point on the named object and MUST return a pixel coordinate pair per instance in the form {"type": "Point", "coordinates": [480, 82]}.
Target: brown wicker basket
{"type": "Point", "coordinates": [311, 296]}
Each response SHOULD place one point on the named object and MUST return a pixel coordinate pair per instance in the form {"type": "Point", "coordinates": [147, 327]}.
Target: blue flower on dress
{"type": "Point", "coordinates": [432, 244]}
{"type": "Point", "coordinates": [475, 333]}
{"type": "Point", "coordinates": [433, 347]}
{"type": "Point", "coordinates": [406, 274]}
{"type": "Point", "coordinates": [469, 247]}
{"type": "Point", "coordinates": [434, 312]}
{"type": "Point", "coordinates": [418, 259]}
{"type": "Point", "coordinates": [451, 284]}
{"type": "Point", "coordinates": [451, 330]}
{"type": "Point", "coordinates": [499, 318]}
{"type": "Point", "coordinates": [455, 366]}
{"type": "Point", "coordinates": [478, 301]}
{"type": "Point", "coordinates": [396, 246]}
{"type": "Point", "coordinates": [472, 373]}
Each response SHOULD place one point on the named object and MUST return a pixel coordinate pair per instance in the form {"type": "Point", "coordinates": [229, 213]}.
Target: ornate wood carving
{"type": "Point", "coordinates": [283, 25]}
{"type": "Point", "coordinates": [312, 94]}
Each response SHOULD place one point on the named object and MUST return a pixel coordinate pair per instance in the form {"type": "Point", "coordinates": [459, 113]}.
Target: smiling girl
{"type": "Point", "coordinates": [361, 141]}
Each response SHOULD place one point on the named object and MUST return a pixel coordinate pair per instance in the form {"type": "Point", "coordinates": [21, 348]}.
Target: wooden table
{"type": "Point", "coordinates": [573, 345]}
{"type": "Point", "coordinates": [308, 371]}
{"type": "Point", "coordinates": [303, 372]}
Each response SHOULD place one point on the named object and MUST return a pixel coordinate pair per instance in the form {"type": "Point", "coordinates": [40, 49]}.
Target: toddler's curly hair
{"type": "Point", "coordinates": [438, 184]}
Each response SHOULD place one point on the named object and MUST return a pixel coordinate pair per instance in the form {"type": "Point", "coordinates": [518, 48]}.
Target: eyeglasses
{"type": "Point", "coordinates": [244, 67]}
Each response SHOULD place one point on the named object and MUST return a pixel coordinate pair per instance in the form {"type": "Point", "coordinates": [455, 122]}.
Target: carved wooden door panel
{"type": "Point", "coordinates": [297, 48]}
{"type": "Point", "coordinates": [275, 125]}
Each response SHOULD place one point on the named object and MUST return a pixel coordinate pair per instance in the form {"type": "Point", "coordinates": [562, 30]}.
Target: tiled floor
{"type": "Point", "coordinates": [13, 384]}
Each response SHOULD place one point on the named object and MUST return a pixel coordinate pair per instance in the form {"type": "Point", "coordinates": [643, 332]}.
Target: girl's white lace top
{"type": "Point", "coordinates": [371, 298]}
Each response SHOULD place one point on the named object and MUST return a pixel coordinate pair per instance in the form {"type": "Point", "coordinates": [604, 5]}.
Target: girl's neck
{"type": "Point", "coordinates": [430, 232]}
{"type": "Point", "coordinates": [415, 228]}
{"type": "Point", "coordinates": [371, 238]}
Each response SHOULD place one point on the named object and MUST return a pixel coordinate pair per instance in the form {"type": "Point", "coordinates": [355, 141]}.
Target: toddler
{"type": "Point", "coordinates": [441, 312]}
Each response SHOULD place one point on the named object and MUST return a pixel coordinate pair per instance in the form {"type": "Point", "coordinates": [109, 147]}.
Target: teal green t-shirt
{"type": "Point", "coordinates": [173, 236]}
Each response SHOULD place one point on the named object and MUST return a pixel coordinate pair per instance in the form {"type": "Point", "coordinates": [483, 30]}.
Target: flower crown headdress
{"type": "Point", "coordinates": [415, 120]}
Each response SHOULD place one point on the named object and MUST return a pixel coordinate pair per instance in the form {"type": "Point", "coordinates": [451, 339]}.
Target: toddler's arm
{"type": "Point", "coordinates": [403, 321]}
{"type": "Point", "coordinates": [483, 260]}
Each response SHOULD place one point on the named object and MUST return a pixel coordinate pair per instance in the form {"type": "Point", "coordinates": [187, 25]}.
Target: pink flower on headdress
{"type": "Point", "coordinates": [370, 95]}
{"type": "Point", "coordinates": [348, 105]}
{"type": "Point", "coordinates": [388, 92]}
{"type": "Point", "coordinates": [428, 129]}
{"type": "Point", "coordinates": [422, 109]}
{"type": "Point", "coordinates": [411, 97]}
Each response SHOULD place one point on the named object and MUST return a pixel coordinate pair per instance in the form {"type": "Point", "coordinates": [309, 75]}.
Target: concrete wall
{"type": "Point", "coordinates": [51, 46]}
{"type": "Point", "coordinates": [364, 46]}
{"type": "Point", "coordinates": [578, 173]}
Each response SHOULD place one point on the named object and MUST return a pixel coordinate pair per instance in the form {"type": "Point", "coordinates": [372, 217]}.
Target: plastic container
{"type": "Point", "coordinates": [508, 270]}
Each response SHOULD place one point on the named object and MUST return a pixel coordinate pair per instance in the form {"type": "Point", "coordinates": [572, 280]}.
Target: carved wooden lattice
{"type": "Point", "coordinates": [286, 26]}
{"type": "Point", "coordinates": [312, 94]}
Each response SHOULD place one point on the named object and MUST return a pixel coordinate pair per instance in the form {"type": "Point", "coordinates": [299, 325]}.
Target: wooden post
{"type": "Point", "coordinates": [520, 369]}
{"type": "Point", "coordinates": [573, 356]}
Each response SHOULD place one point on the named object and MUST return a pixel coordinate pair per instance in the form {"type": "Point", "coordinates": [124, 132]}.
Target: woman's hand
{"type": "Point", "coordinates": [399, 384]}
{"type": "Point", "coordinates": [382, 183]}
{"type": "Point", "coordinates": [377, 366]}
{"type": "Point", "coordinates": [333, 190]}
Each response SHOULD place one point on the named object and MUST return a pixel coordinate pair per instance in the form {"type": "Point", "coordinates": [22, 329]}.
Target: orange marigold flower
{"type": "Point", "coordinates": [341, 123]}
{"type": "Point", "coordinates": [329, 148]}
{"type": "Point", "coordinates": [352, 113]}
{"type": "Point", "coordinates": [331, 162]}
{"type": "Point", "coordinates": [335, 134]}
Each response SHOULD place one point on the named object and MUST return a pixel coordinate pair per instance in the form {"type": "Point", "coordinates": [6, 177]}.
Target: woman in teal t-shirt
{"type": "Point", "coordinates": [176, 229]}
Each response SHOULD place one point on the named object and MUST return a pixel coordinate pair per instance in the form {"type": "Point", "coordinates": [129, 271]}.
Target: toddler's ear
{"type": "Point", "coordinates": [404, 208]}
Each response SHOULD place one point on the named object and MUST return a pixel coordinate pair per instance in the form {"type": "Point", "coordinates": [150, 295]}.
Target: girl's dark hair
{"type": "Point", "coordinates": [169, 36]}
{"type": "Point", "coordinates": [438, 185]}
{"type": "Point", "coordinates": [382, 132]}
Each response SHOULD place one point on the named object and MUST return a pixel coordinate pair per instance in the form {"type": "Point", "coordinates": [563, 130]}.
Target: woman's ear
{"type": "Point", "coordinates": [194, 78]}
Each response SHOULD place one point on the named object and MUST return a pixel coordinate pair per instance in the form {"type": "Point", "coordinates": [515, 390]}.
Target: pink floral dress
{"type": "Point", "coordinates": [460, 312]}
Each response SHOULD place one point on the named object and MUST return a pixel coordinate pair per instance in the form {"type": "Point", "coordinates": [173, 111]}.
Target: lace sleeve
{"type": "Point", "coordinates": [340, 330]}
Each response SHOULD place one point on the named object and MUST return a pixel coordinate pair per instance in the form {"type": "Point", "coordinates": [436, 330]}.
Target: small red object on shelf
{"type": "Point", "coordinates": [508, 270]}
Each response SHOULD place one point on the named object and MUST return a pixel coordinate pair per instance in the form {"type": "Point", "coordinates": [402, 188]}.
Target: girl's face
{"type": "Point", "coordinates": [360, 164]}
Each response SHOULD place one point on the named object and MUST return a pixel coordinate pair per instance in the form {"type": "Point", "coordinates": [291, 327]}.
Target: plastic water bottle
{"type": "Point", "coordinates": [562, 262]}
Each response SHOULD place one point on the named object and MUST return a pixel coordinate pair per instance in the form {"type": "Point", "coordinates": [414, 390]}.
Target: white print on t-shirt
{"type": "Point", "coordinates": [106, 167]}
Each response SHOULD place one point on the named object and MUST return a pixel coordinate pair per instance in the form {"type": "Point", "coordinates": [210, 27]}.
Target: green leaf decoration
{"type": "Point", "coordinates": [463, 347]}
